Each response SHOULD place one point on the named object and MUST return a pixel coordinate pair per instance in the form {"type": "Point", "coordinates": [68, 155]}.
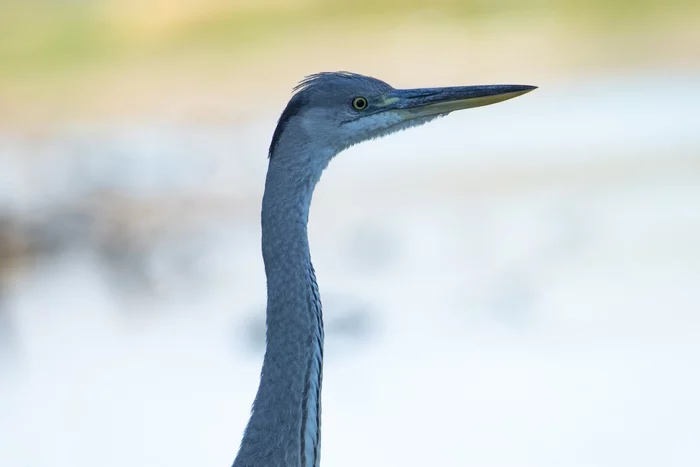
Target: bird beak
{"type": "Point", "coordinates": [415, 103]}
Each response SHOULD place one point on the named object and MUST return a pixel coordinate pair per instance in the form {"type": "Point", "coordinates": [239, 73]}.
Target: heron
{"type": "Point", "coordinates": [327, 113]}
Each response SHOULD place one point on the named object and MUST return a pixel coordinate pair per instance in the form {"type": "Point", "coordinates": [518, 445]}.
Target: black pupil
{"type": "Point", "coordinates": [360, 103]}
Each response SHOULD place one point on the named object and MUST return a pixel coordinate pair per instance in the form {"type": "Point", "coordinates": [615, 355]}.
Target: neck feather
{"type": "Point", "coordinates": [284, 428]}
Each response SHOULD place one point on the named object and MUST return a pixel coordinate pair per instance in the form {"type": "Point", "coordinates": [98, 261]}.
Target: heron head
{"type": "Point", "coordinates": [332, 111]}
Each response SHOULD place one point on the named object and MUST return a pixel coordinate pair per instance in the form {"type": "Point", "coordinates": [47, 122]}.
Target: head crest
{"type": "Point", "coordinates": [316, 81]}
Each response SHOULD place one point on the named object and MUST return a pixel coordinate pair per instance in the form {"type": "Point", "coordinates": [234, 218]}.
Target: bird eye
{"type": "Point", "coordinates": [359, 103]}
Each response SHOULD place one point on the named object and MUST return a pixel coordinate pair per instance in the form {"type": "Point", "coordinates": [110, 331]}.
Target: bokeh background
{"type": "Point", "coordinates": [516, 285]}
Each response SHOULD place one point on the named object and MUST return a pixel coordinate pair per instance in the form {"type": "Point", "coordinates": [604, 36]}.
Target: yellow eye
{"type": "Point", "coordinates": [359, 103]}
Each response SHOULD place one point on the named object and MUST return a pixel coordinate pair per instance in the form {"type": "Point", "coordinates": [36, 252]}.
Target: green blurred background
{"type": "Point", "coordinates": [64, 59]}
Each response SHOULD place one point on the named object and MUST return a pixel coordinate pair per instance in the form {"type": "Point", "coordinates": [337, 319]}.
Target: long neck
{"type": "Point", "coordinates": [284, 428]}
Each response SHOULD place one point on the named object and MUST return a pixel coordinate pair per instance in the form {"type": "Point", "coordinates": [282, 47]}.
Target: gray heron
{"type": "Point", "coordinates": [328, 113]}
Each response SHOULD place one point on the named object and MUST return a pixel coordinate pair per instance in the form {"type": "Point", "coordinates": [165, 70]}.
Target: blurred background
{"type": "Point", "coordinates": [515, 285]}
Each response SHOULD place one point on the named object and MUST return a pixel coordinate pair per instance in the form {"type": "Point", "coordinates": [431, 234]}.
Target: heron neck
{"type": "Point", "coordinates": [284, 428]}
